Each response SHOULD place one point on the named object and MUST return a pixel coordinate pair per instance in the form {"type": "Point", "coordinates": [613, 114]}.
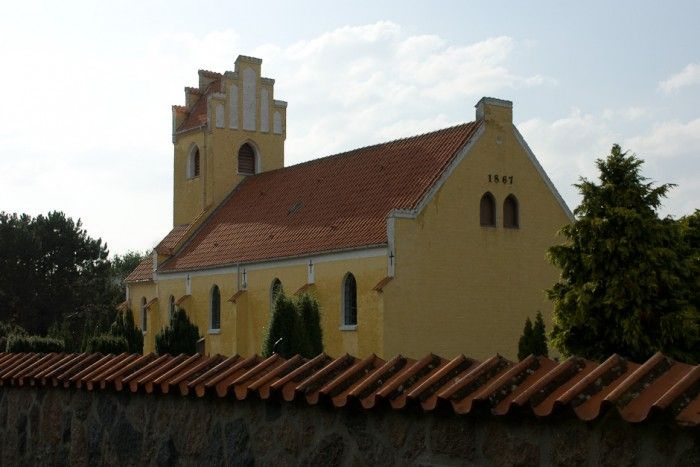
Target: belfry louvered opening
{"type": "Point", "coordinates": [246, 160]}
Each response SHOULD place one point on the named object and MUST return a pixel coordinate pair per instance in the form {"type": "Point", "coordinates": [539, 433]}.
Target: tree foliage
{"type": "Point", "coordinates": [295, 328]}
{"type": "Point", "coordinates": [38, 344]}
{"type": "Point", "coordinates": [179, 337]}
{"type": "Point", "coordinates": [106, 344]}
{"type": "Point", "coordinates": [629, 279]}
{"type": "Point", "coordinates": [52, 271]}
{"type": "Point", "coordinates": [534, 339]}
{"type": "Point", "coordinates": [125, 326]}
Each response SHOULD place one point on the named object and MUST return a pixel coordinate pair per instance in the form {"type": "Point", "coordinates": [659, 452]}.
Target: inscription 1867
{"type": "Point", "coordinates": [505, 179]}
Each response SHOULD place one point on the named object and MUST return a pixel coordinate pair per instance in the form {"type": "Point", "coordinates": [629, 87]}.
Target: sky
{"type": "Point", "coordinates": [88, 87]}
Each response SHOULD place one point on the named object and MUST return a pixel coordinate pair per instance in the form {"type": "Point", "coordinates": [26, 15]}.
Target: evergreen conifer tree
{"type": "Point", "coordinates": [539, 337]}
{"type": "Point", "coordinates": [311, 324]}
{"type": "Point", "coordinates": [179, 337]}
{"type": "Point", "coordinates": [628, 283]}
{"type": "Point", "coordinates": [525, 342]}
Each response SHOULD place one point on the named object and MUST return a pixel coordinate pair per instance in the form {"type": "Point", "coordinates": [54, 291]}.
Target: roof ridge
{"type": "Point", "coordinates": [363, 148]}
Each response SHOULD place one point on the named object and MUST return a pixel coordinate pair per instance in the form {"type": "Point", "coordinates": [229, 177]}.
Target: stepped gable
{"type": "Point", "coordinates": [339, 202]}
{"type": "Point", "coordinates": [538, 386]}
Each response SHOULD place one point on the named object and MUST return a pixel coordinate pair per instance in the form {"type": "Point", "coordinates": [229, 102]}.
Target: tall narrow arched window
{"type": "Point", "coordinates": [171, 307]}
{"type": "Point", "coordinates": [246, 160]}
{"type": "Point", "coordinates": [144, 316]}
{"type": "Point", "coordinates": [510, 213]}
{"type": "Point", "coordinates": [215, 309]}
{"type": "Point", "coordinates": [487, 210]}
{"type": "Point", "coordinates": [193, 162]}
{"type": "Point", "coordinates": [349, 300]}
{"type": "Point", "coordinates": [275, 290]}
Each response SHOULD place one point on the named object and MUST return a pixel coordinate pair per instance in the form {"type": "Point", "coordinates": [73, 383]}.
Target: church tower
{"type": "Point", "coordinates": [230, 127]}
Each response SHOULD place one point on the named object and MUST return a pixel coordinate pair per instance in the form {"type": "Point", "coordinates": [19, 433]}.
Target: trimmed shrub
{"type": "Point", "coordinates": [125, 326]}
{"type": "Point", "coordinates": [38, 344]}
{"type": "Point", "coordinates": [311, 324]}
{"type": "Point", "coordinates": [106, 344]}
{"type": "Point", "coordinates": [179, 337]}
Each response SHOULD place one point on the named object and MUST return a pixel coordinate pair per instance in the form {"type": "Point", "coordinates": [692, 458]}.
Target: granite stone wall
{"type": "Point", "coordinates": [57, 427]}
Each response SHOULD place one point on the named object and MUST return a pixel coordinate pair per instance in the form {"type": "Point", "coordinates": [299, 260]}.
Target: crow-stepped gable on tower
{"type": "Point", "coordinates": [230, 127]}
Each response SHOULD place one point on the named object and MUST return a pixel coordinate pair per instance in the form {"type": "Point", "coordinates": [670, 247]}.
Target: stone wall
{"type": "Point", "coordinates": [40, 426]}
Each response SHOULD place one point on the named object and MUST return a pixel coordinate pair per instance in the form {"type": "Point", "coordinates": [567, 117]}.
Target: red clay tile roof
{"type": "Point", "coordinates": [538, 385]}
{"type": "Point", "coordinates": [143, 272]}
{"type": "Point", "coordinates": [335, 203]}
{"type": "Point", "coordinates": [172, 239]}
{"type": "Point", "coordinates": [198, 114]}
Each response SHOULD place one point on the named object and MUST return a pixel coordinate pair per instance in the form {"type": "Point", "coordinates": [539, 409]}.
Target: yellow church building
{"type": "Point", "coordinates": [430, 243]}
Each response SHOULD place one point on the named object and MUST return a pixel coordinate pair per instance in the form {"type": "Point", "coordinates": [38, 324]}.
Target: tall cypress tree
{"type": "Point", "coordinates": [525, 342]}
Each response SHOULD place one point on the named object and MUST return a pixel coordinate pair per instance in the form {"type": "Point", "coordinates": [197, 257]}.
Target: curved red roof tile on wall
{"type": "Point", "coordinates": [539, 385]}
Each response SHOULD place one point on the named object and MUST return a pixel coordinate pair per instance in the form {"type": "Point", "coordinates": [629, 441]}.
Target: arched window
{"type": "Point", "coordinates": [487, 210]}
{"type": "Point", "coordinates": [144, 317]}
{"type": "Point", "coordinates": [275, 290]}
{"type": "Point", "coordinates": [349, 300]}
{"type": "Point", "coordinates": [215, 309]}
{"type": "Point", "coordinates": [246, 160]}
{"type": "Point", "coordinates": [193, 162]}
{"type": "Point", "coordinates": [510, 212]}
{"type": "Point", "coordinates": [171, 307]}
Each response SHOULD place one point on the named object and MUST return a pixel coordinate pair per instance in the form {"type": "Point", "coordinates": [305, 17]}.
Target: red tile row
{"type": "Point", "coordinates": [658, 387]}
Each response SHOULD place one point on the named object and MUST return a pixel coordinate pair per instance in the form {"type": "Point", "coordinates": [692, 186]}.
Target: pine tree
{"type": "Point", "coordinates": [125, 326]}
{"type": "Point", "coordinates": [628, 282]}
{"type": "Point", "coordinates": [285, 335]}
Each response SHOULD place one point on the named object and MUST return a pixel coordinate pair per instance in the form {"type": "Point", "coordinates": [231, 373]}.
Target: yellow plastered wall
{"type": "Point", "coordinates": [137, 292]}
{"type": "Point", "coordinates": [464, 288]}
{"type": "Point", "coordinates": [244, 323]}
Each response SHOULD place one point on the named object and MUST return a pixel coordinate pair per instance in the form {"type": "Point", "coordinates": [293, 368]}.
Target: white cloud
{"type": "Point", "coordinates": [89, 129]}
{"type": "Point", "coordinates": [689, 76]}
{"type": "Point", "coordinates": [568, 147]}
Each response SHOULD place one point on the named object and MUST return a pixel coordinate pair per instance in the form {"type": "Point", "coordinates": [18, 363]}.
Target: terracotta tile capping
{"type": "Point", "coordinates": [621, 389]}
{"type": "Point", "coordinates": [182, 380]}
{"type": "Point", "coordinates": [240, 384]}
{"type": "Point", "coordinates": [523, 381]}
{"type": "Point", "coordinates": [98, 374]}
{"type": "Point", "coordinates": [263, 384]}
{"type": "Point", "coordinates": [76, 368]}
{"type": "Point", "coordinates": [446, 375]}
{"type": "Point", "coordinates": [225, 381]}
{"type": "Point", "coordinates": [115, 376]}
{"type": "Point", "coordinates": [21, 368]}
{"type": "Point", "coordinates": [338, 388]}
{"type": "Point", "coordinates": [680, 388]}
{"type": "Point", "coordinates": [166, 379]}
{"type": "Point", "coordinates": [366, 390]}
{"type": "Point", "coordinates": [62, 367]}
{"type": "Point", "coordinates": [198, 383]}
{"type": "Point", "coordinates": [464, 391]}
{"type": "Point", "coordinates": [312, 385]}
{"type": "Point", "coordinates": [690, 415]}
{"type": "Point", "coordinates": [555, 384]}
{"type": "Point", "coordinates": [92, 369]}
{"type": "Point", "coordinates": [147, 380]}
{"type": "Point", "coordinates": [40, 358]}
{"type": "Point", "coordinates": [41, 375]}
{"type": "Point", "coordinates": [42, 364]}
{"type": "Point", "coordinates": [287, 384]}
{"type": "Point", "coordinates": [642, 402]}
{"type": "Point", "coordinates": [146, 368]}
{"type": "Point", "coordinates": [17, 363]}
{"type": "Point", "coordinates": [413, 375]}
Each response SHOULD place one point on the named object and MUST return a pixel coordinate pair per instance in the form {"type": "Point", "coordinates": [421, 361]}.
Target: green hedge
{"type": "Point", "coordinates": [20, 343]}
{"type": "Point", "coordinates": [107, 343]}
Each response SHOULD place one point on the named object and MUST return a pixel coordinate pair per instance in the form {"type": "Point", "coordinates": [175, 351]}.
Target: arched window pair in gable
{"type": "Point", "coordinates": [487, 211]}
{"type": "Point", "coordinates": [193, 162]}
